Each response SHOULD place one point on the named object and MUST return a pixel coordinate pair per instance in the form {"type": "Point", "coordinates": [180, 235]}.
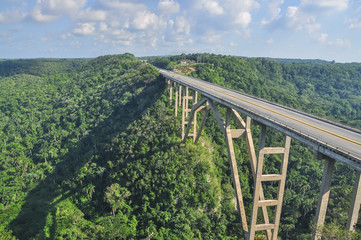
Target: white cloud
{"type": "Point", "coordinates": [240, 11]}
{"type": "Point", "coordinates": [182, 25]}
{"type": "Point", "coordinates": [168, 7]}
{"type": "Point", "coordinates": [243, 19]}
{"type": "Point", "coordinates": [85, 29]}
{"type": "Point", "coordinates": [270, 41]}
{"type": "Point", "coordinates": [233, 44]}
{"type": "Point", "coordinates": [322, 37]}
{"type": "Point", "coordinates": [38, 16]}
{"type": "Point", "coordinates": [143, 20]}
{"type": "Point", "coordinates": [340, 42]}
{"type": "Point", "coordinates": [11, 16]}
{"type": "Point", "coordinates": [211, 37]}
{"type": "Point", "coordinates": [103, 27]}
{"type": "Point", "coordinates": [123, 7]}
{"type": "Point", "coordinates": [355, 25]}
{"type": "Point", "coordinates": [327, 5]}
{"type": "Point", "coordinates": [92, 15]}
{"type": "Point", "coordinates": [275, 11]}
{"type": "Point", "coordinates": [214, 8]}
{"type": "Point", "coordinates": [50, 10]}
{"type": "Point", "coordinates": [76, 44]}
{"type": "Point", "coordinates": [211, 6]}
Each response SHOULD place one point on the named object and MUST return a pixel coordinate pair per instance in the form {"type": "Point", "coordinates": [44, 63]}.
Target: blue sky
{"type": "Point", "coordinates": [308, 29]}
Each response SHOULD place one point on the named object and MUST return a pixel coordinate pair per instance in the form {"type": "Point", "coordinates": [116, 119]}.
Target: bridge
{"type": "Point", "coordinates": [331, 142]}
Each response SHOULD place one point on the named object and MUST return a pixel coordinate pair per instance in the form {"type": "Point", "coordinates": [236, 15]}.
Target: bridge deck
{"type": "Point", "coordinates": [337, 141]}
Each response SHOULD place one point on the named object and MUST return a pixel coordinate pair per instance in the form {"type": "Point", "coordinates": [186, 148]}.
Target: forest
{"type": "Point", "coordinates": [91, 149]}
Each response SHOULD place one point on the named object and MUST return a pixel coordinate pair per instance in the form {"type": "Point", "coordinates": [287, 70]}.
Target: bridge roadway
{"type": "Point", "coordinates": [334, 140]}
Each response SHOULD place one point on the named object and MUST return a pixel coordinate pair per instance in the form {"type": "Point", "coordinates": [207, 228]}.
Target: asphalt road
{"type": "Point", "coordinates": [336, 136]}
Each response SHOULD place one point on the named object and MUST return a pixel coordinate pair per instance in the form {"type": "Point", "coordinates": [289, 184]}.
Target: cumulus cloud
{"type": "Point", "coordinates": [11, 16]}
{"type": "Point", "coordinates": [303, 17]}
{"type": "Point", "coordinates": [39, 16]}
{"type": "Point", "coordinates": [340, 42]}
{"type": "Point", "coordinates": [50, 10]}
{"type": "Point", "coordinates": [122, 6]}
{"type": "Point", "coordinates": [85, 29]}
{"type": "Point", "coordinates": [90, 14]}
{"type": "Point", "coordinates": [243, 19]}
{"type": "Point", "coordinates": [210, 6]}
{"type": "Point", "coordinates": [355, 25]}
{"type": "Point", "coordinates": [168, 7]}
{"type": "Point", "coordinates": [182, 25]}
{"type": "Point", "coordinates": [270, 41]}
{"type": "Point", "coordinates": [214, 8]}
{"type": "Point", "coordinates": [354, 22]}
{"type": "Point", "coordinates": [325, 5]}
{"type": "Point", "coordinates": [144, 20]}
{"type": "Point", "coordinates": [211, 37]}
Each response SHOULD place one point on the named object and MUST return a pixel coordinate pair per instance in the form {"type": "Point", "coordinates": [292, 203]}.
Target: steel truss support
{"type": "Point", "coordinates": [355, 204]}
{"type": "Point", "coordinates": [280, 178]}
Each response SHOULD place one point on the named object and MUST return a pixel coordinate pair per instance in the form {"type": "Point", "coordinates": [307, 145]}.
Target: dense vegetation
{"type": "Point", "coordinates": [90, 149]}
{"type": "Point", "coordinates": [38, 67]}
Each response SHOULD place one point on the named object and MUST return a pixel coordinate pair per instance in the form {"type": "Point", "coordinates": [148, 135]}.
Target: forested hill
{"type": "Point", "coordinates": [39, 67]}
{"type": "Point", "coordinates": [90, 149]}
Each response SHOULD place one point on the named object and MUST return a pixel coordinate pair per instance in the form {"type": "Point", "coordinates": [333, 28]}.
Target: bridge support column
{"type": "Point", "coordinates": [186, 102]}
{"type": "Point", "coordinates": [175, 100]}
{"type": "Point", "coordinates": [170, 91]}
{"type": "Point", "coordinates": [195, 100]}
{"type": "Point", "coordinates": [180, 95]}
{"type": "Point", "coordinates": [355, 204]}
{"type": "Point", "coordinates": [324, 196]}
{"type": "Point", "coordinates": [185, 111]}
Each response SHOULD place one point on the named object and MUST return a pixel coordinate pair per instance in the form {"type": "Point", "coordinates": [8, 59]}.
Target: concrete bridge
{"type": "Point", "coordinates": [331, 142]}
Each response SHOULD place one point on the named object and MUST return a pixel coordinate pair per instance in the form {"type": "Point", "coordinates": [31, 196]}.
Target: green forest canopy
{"type": "Point", "coordinates": [89, 148]}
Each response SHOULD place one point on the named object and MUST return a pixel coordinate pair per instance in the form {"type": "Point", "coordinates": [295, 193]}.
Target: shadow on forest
{"type": "Point", "coordinates": [40, 202]}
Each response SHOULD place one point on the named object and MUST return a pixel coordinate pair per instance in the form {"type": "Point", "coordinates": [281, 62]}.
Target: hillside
{"type": "Point", "coordinates": [92, 150]}
{"type": "Point", "coordinates": [95, 154]}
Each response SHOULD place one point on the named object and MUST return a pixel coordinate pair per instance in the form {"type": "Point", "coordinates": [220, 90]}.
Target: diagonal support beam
{"type": "Point", "coordinates": [355, 204]}
{"type": "Point", "coordinates": [206, 110]}
{"type": "Point", "coordinates": [194, 111]}
{"type": "Point", "coordinates": [217, 115]}
{"type": "Point", "coordinates": [234, 169]}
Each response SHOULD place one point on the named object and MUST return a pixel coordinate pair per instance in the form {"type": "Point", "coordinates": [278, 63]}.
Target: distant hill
{"type": "Point", "coordinates": [39, 67]}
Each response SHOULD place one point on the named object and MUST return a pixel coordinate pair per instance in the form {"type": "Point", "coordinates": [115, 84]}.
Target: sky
{"type": "Point", "coordinates": [306, 29]}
